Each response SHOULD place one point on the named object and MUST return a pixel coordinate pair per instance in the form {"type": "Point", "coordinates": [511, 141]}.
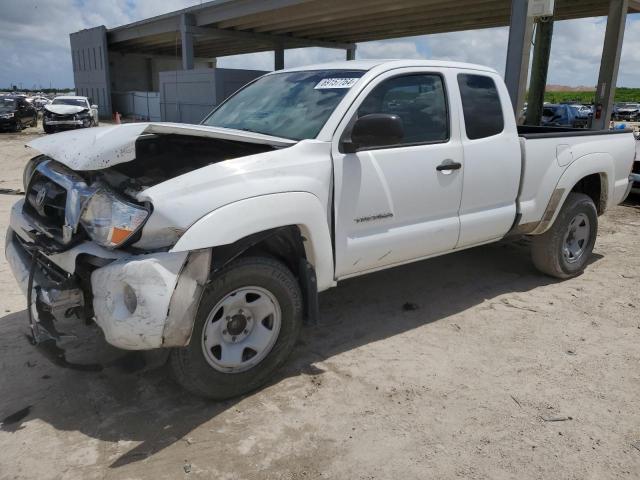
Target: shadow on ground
{"type": "Point", "coordinates": [146, 406]}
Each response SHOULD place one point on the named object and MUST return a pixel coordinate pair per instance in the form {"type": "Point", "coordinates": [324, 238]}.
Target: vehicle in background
{"type": "Point", "coordinates": [585, 110]}
{"type": "Point", "coordinates": [69, 112]}
{"type": "Point", "coordinates": [214, 240]}
{"type": "Point", "coordinates": [16, 113]}
{"type": "Point", "coordinates": [40, 102]}
{"type": "Point", "coordinates": [627, 112]}
{"type": "Point", "coordinates": [563, 115]}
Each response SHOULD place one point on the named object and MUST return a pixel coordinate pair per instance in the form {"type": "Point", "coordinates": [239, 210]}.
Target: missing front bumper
{"type": "Point", "coordinates": [167, 287]}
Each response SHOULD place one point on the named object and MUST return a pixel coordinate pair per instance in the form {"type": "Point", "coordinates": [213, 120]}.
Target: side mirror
{"type": "Point", "coordinates": [374, 130]}
{"type": "Point", "coordinates": [95, 107]}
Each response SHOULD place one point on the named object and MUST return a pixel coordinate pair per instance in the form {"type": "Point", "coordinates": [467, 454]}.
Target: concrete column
{"type": "Point", "coordinates": [518, 51]}
{"type": "Point", "coordinates": [186, 22]}
{"type": "Point", "coordinates": [539, 70]}
{"type": "Point", "coordinates": [278, 58]}
{"type": "Point", "coordinates": [351, 53]}
{"type": "Point", "coordinates": [610, 62]}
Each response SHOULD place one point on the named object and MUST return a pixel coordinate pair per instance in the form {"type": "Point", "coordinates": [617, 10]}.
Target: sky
{"type": "Point", "coordinates": [34, 43]}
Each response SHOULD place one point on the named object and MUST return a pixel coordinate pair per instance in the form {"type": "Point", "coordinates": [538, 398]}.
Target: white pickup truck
{"type": "Point", "coordinates": [214, 240]}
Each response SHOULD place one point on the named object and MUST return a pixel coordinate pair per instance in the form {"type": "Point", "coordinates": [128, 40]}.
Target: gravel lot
{"type": "Point", "coordinates": [470, 365]}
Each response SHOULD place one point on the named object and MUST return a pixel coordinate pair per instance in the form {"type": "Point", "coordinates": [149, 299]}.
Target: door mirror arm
{"type": "Point", "coordinates": [348, 146]}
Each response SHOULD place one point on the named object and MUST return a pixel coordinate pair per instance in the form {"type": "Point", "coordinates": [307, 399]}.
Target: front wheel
{"type": "Point", "coordinates": [246, 326]}
{"type": "Point", "coordinates": [564, 250]}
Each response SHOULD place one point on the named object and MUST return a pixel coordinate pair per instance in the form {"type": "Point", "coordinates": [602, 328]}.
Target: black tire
{"type": "Point", "coordinates": [48, 129]}
{"type": "Point", "coordinates": [547, 249]}
{"type": "Point", "coordinates": [17, 127]}
{"type": "Point", "coordinates": [189, 366]}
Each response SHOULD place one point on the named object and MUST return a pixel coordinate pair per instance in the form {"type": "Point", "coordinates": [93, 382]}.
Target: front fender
{"type": "Point", "coordinates": [594, 163]}
{"type": "Point", "coordinates": [238, 220]}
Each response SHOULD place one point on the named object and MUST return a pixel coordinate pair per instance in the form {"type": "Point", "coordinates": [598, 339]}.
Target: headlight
{"type": "Point", "coordinates": [7, 115]}
{"type": "Point", "coordinates": [111, 221]}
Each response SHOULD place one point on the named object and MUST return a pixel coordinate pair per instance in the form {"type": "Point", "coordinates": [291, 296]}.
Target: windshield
{"type": "Point", "coordinates": [7, 104]}
{"type": "Point", "coordinates": [292, 105]}
{"type": "Point", "coordinates": [78, 102]}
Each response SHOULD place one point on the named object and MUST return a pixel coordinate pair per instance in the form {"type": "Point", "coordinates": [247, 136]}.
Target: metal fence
{"type": "Point", "coordinates": [143, 106]}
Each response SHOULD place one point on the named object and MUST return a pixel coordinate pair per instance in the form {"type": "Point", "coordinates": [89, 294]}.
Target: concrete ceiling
{"type": "Point", "coordinates": [230, 27]}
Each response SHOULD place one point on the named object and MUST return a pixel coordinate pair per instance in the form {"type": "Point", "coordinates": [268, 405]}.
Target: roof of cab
{"type": "Point", "coordinates": [388, 65]}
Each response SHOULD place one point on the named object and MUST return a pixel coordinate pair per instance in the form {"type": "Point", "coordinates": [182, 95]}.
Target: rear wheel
{"type": "Point", "coordinates": [247, 323]}
{"type": "Point", "coordinates": [564, 250]}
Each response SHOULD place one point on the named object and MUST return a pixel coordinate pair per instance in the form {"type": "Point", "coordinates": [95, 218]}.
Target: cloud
{"type": "Point", "coordinates": [34, 34]}
{"type": "Point", "coordinates": [34, 43]}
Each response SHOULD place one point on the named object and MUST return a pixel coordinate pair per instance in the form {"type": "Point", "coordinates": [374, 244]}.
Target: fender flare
{"type": "Point", "coordinates": [240, 219]}
{"type": "Point", "coordinates": [594, 163]}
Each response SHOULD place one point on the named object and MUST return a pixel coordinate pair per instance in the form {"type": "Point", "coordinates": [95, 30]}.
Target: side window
{"type": "Point", "coordinates": [481, 106]}
{"type": "Point", "coordinates": [419, 100]}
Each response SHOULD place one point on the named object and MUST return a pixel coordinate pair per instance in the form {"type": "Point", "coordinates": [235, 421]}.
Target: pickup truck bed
{"type": "Point", "coordinates": [547, 178]}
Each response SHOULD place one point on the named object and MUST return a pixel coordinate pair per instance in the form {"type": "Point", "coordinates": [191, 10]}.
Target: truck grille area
{"type": "Point", "coordinates": [46, 200]}
{"type": "Point", "coordinates": [53, 203]}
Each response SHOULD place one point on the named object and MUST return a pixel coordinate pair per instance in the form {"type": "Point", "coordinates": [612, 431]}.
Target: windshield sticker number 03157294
{"type": "Point", "coordinates": [335, 83]}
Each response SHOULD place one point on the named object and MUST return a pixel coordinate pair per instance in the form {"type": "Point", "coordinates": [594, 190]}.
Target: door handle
{"type": "Point", "coordinates": [449, 166]}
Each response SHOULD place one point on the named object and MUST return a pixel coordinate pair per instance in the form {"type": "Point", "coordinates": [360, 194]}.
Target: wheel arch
{"type": "Point", "coordinates": [237, 227]}
{"type": "Point", "coordinates": [592, 175]}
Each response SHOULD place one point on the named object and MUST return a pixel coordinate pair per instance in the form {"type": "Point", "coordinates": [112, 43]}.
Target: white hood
{"type": "Point", "coordinates": [103, 147]}
{"type": "Point", "coordinates": [64, 109]}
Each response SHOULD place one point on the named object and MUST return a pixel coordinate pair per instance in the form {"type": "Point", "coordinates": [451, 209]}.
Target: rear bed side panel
{"type": "Point", "coordinates": [558, 163]}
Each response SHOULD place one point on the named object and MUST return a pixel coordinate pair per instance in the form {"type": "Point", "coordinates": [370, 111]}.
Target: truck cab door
{"type": "Point", "coordinates": [493, 160]}
{"type": "Point", "coordinates": [399, 203]}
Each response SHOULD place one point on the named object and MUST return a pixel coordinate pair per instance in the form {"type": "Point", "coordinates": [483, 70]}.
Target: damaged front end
{"type": "Point", "coordinates": [74, 242]}
{"type": "Point", "coordinates": [140, 301]}
{"type": "Point", "coordinates": [86, 243]}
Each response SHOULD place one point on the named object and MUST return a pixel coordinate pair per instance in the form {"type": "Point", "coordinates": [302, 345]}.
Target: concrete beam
{"type": "Point", "coordinates": [518, 52]}
{"type": "Point", "coordinates": [165, 25]}
{"type": "Point", "coordinates": [351, 53]}
{"type": "Point", "coordinates": [539, 71]}
{"type": "Point", "coordinates": [610, 63]}
{"type": "Point", "coordinates": [278, 58]}
{"type": "Point", "coordinates": [285, 40]}
{"type": "Point", "coordinates": [186, 36]}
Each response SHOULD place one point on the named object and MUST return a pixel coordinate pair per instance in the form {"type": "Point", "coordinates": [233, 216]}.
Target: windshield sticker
{"type": "Point", "coordinates": [335, 83]}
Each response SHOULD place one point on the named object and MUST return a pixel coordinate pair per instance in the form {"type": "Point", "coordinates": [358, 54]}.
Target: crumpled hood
{"type": "Point", "coordinates": [103, 147]}
{"type": "Point", "coordinates": [64, 109]}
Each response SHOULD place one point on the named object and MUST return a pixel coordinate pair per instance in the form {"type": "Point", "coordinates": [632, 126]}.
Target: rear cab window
{"type": "Point", "coordinates": [481, 106]}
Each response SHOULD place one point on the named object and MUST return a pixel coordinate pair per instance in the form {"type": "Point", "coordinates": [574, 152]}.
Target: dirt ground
{"type": "Point", "coordinates": [471, 365]}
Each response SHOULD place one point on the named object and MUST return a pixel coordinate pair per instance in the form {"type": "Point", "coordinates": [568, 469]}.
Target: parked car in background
{"type": "Point", "coordinates": [627, 112]}
{"type": "Point", "coordinates": [16, 113]}
{"type": "Point", "coordinates": [562, 115]}
{"type": "Point", "coordinates": [40, 102]}
{"type": "Point", "coordinates": [69, 112]}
